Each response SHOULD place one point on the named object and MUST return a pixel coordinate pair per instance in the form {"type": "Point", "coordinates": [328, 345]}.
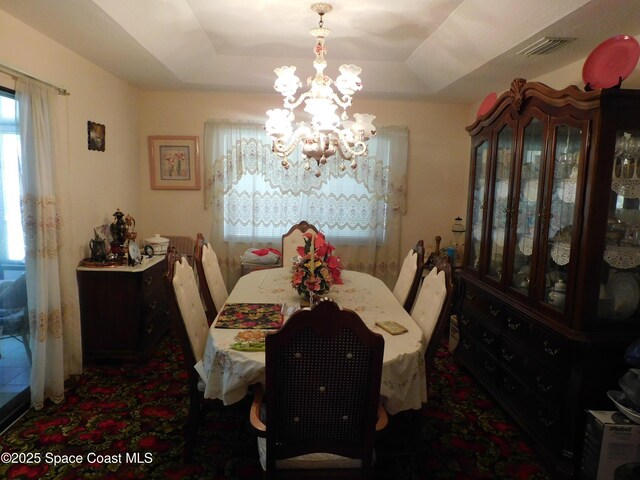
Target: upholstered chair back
{"type": "Point", "coordinates": [190, 307]}
{"type": "Point", "coordinates": [408, 282]}
{"type": "Point", "coordinates": [293, 239]}
{"type": "Point", "coordinates": [213, 274]}
{"type": "Point", "coordinates": [429, 302]}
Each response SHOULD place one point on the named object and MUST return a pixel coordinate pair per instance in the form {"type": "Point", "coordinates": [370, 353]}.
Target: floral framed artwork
{"type": "Point", "coordinates": [174, 163]}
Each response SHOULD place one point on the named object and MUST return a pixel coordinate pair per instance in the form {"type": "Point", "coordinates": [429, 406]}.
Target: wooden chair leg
{"type": "Point", "coordinates": [191, 428]}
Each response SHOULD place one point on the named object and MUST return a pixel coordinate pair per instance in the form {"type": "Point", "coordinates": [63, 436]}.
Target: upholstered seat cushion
{"type": "Point", "coordinates": [406, 276]}
{"type": "Point", "coordinates": [317, 460]}
{"type": "Point", "coordinates": [14, 294]}
{"type": "Point", "coordinates": [12, 321]}
{"type": "Point", "coordinates": [428, 304]}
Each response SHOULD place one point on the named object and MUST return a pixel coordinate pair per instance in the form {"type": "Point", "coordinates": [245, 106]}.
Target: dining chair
{"type": "Point", "coordinates": [431, 310]}
{"type": "Point", "coordinates": [212, 287]}
{"type": "Point", "coordinates": [14, 313]}
{"type": "Point", "coordinates": [293, 239]}
{"type": "Point", "coordinates": [318, 412]}
{"type": "Point", "coordinates": [410, 275]}
{"type": "Point", "coordinates": [191, 326]}
{"type": "Point", "coordinates": [184, 244]}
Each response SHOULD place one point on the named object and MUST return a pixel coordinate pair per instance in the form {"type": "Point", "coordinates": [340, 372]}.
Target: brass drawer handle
{"type": "Point", "coordinates": [541, 386]}
{"type": "Point", "coordinates": [487, 339]}
{"type": "Point", "coordinates": [148, 281]}
{"type": "Point", "coordinates": [149, 328]}
{"type": "Point", "coordinates": [466, 345]}
{"type": "Point", "coordinates": [506, 356]}
{"type": "Point", "coordinates": [515, 326]}
{"type": "Point", "coordinates": [494, 311]}
{"type": "Point", "coordinates": [465, 321]}
{"type": "Point", "coordinates": [153, 305]}
{"type": "Point", "coordinates": [544, 420]}
{"type": "Point", "coordinates": [550, 351]}
{"type": "Point", "coordinates": [470, 296]}
{"type": "Point", "coordinates": [488, 367]}
{"type": "Point", "coordinates": [508, 385]}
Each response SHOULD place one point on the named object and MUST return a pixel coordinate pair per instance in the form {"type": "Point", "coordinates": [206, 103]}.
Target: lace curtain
{"type": "Point", "coordinates": [254, 200]}
{"type": "Point", "coordinates": [51, 291]}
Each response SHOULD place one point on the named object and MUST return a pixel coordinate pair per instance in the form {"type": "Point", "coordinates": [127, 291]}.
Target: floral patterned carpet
{"type": "Point", "coordinates": [125, 422]}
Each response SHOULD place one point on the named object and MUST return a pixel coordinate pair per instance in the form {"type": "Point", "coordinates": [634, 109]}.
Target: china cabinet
{"type": "Point", "coordinates": [123, 310]}
{"type": "Point", "coordinates": [551, 271]}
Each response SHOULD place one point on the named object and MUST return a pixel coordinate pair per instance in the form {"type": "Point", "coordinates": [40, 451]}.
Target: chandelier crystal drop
{"type": "Point", "coordinates": [327, 134]}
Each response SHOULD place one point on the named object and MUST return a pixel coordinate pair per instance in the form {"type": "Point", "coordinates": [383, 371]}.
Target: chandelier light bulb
{"type": "Point", "coordinates": [327, 134]}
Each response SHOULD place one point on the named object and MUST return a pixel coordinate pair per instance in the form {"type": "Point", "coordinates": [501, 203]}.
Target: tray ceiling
{"type": "Point", "coordinates": [443, 50]}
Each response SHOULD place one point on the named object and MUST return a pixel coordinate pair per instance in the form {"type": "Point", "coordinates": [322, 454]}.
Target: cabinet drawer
{"type": "Point", "coordinates": [478, 359]}
{"type": "Point", "coordinates": [546, 346]}
{"type": "Point", "coordinates": [545, 382]}
{"type": "Point", "coordinates": [152, 280]}
{"type": "Point", "coordinates": [481, 331]}
{"type": "Point", "coordinates": [155, 324]}
{"type": "Point", "coordinates": [483, 303]}
{"type": "Point", "coordinates": [543, 421]}
{"type": "Point", "coordinates": [551, 349]}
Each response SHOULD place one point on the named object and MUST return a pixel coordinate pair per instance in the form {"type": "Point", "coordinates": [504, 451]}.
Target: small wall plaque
{"type": "Point", "coordinates": [95, 135]}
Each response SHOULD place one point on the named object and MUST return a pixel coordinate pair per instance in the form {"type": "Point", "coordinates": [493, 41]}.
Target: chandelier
{"type": "Point", "coordinates": [326, 134]}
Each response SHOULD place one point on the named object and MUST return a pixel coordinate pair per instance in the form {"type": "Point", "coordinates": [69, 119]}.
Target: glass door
{"type": "Point", "coordinates": [15, 352]}
{"type": "Point", "coordinates": [527, 208]}
{"type": "Point", "coordinates": [619, 295]}
{"type": "Point", "coordinates": [501, 203]}
{"type": "Point", "coordinates": [481, 161]}
{"type": "Point", "coordinates": [560, 214]}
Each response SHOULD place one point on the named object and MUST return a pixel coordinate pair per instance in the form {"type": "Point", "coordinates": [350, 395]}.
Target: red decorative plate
{"type": "Point", "coordinates": [487, 103]}
{"type": "Point", "coordinates": [613, 59]}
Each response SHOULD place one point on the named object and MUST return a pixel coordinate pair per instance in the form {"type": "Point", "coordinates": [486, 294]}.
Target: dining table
{"type": "Point", "coordinates": [228, 372]}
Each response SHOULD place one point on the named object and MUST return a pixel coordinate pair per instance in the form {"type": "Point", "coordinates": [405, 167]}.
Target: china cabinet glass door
{"type": "Point", "coordinates": [527, 204]}
{"type": "Point", "coordinates": [560, 216]}
{"type": "Point", "coordinates": [477, 209]}
{"type": "Point", "coordinates": [500, 209]}
{"type": "Point", "coordinates": [619, 291]}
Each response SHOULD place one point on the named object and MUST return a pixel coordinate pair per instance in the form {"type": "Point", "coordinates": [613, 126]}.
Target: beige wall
{"type": "Point", "coordinates": [119, 177]}
{"type": "Point", "coordinates": [437, 168]}
{"type": "Point", "coordinates": [100, 181]}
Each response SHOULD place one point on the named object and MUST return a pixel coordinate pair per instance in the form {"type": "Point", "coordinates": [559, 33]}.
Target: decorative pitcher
{"type": "Point", "coordinates": [98, 249]}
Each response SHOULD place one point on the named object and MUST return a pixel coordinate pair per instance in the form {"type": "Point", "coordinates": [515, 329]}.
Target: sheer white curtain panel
{"type": "Point", "coordinates": [51, 290]}
{"type": "Point", "coordinates": [254, 200]}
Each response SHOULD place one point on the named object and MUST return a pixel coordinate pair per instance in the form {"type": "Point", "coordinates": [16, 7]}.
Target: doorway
{"type": "Point", "coordinates": [15, 351]}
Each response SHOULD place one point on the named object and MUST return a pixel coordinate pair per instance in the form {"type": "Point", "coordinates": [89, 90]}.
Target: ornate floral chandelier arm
{"type": "Point", "coordinates": [348, 152]}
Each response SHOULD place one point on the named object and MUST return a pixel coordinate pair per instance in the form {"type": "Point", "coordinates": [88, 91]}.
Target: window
{"type": "Point", "coordinates": [12, 249]}
{"type": "Point", "coordinates": [262, 199]}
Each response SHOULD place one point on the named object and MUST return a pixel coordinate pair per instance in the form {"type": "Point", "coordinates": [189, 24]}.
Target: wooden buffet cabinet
{"type": "Point", "coordinates": [124, 310]}
{"type": "Point", "coordinates": [550, 273]}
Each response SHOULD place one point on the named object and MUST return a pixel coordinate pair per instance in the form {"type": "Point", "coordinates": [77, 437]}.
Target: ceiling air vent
{"type": "Point", "coordinates": [544, 46]}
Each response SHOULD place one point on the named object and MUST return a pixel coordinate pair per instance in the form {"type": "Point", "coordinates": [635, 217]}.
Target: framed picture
{"type": "Point", "coordinates": [174, 163]}
{"type": "Point", "coordinates": [95, 136]}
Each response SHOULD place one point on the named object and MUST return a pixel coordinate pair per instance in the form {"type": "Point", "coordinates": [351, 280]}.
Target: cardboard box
{"type": "Point", "coordinates": [611, 447]}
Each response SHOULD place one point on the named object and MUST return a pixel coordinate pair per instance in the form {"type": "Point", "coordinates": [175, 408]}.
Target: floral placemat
{"type": "Point", "coordinates": [250, 315]}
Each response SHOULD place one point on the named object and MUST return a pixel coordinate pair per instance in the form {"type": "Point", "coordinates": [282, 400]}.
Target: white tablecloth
{"type": "Point", "coordinates": [229, 373]}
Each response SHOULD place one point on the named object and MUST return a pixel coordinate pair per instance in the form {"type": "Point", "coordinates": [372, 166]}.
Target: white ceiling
{"type": "Point", "coordinates": [443, 50]}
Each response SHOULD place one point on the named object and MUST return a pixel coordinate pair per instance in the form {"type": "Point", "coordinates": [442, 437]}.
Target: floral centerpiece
{"type": "Point", "coordinates": [317, 268]}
